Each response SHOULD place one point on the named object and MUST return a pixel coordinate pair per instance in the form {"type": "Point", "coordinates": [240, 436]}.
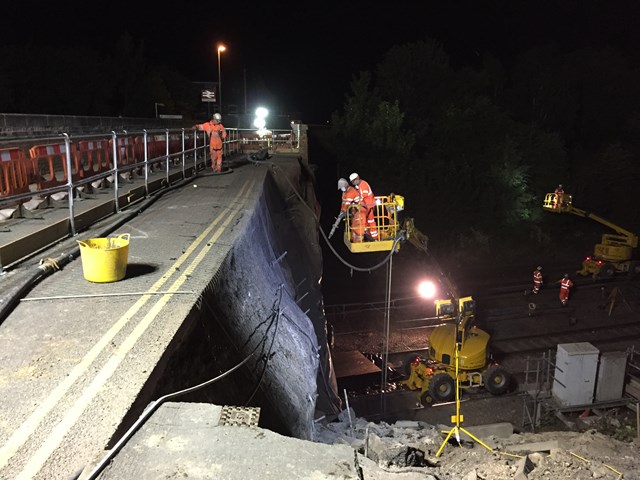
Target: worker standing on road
{"type": "Point", "coordinates": [565, 288]}
{"type": "Point", "coordinates": [559, 194]}
{"type": "Point", "coordinates": [217, 133]}
{"type": "Point", "coordinates": [369, 202]}
{"type": "Point", "coordinates": [537, 279]}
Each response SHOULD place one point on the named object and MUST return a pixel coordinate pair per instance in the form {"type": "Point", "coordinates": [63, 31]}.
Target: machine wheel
{"type": "Point", "coordinates": [442, 388]}
{"type": "Point", "coordinates": [497, 380]}
{"type": "Point", "coordinates": [634, 268]}
{"type": "Point", "coordinates": [426, 399]}
{"type": "Point", "coordinates": [607, 271]}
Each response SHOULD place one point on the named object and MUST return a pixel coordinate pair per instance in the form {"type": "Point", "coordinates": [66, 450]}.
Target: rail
{"type": "Point", "coordinates": [63, 168]}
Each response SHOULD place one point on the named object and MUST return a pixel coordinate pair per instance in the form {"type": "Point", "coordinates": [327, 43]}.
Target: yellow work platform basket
{"type": "Point", "coordinates": [357, 236]}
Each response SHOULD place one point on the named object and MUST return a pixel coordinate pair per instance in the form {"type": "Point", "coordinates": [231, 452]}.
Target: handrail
{"type": "Point", "coordinates": [123, 155]}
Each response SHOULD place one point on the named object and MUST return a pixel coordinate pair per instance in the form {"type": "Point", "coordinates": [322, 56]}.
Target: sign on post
{"type": "Point", "coordinates": [208, 95]}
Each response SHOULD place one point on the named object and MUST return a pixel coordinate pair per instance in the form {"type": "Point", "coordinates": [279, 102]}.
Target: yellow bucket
{"type": "Point", "coordinates": [105, 259]}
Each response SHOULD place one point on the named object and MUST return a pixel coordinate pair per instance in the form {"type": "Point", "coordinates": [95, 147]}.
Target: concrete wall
{"type": "Point", "coordinates": [18, 125]}
{"type": "Point", "coordinates": [272, 279]}
{"type": "Point", "coordinates": [264, 302]}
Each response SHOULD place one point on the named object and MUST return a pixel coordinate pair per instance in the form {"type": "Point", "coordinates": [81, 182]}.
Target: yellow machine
{"type": "Point", "coordinates": [613, 254]}
{"type": "Point", "coordinates": [435, 376]}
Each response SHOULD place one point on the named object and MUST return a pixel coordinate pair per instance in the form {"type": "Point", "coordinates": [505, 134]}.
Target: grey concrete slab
{"type": "Point", "coordinates": [187, 441]}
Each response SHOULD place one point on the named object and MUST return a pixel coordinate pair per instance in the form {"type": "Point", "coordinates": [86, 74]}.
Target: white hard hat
{"type": "Point", "coordinates": [217, 116]}
{"type": "Point", "coordinates": [539, 268]}
{"type": "Point", "coordinates": [353, 176]}
{"type": "Point", "coordinates": [342, 184]}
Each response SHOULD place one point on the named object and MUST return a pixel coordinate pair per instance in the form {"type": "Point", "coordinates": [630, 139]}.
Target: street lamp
{"type": "Point", "coordinates": [221, 48]}
{"type": "Point", "coordinates": [158, 105]}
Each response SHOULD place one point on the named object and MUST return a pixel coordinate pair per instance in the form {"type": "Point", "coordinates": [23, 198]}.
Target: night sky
{"type": "Point", "coordinates": [306, 53]}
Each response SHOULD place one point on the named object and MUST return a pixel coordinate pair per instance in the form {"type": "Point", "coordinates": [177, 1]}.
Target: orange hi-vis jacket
{"type": "Point", "coordinates": [350, 197]}
{"type": "Point", "coordinates": [537, 277]}
{"type": "Point", "coordinates": [369, 202]}
{"type": "Point", "coordinates": [216, 132]}
{"type": "Point", "coordinates": [565, 286]}
{"type": "Point", "coordinates": [368, 199]}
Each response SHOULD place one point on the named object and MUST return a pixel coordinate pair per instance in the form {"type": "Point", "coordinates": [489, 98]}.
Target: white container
{"type": "Point", "coordinates": [575, 375]}
{"type": "Point", "coordinates": [611, 374]}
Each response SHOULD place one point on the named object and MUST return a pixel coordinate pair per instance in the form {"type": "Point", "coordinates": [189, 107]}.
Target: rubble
{"type": "Point", "coordinates": [407, 450]}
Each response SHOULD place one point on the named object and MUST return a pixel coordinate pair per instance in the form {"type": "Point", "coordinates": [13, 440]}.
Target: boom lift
{"type": "Point", "coordinates": [435, 376]}
{"type": "Point", "coordinates": [614, 252]}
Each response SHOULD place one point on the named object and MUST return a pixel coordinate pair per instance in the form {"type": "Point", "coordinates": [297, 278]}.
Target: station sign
{"type": "Point", "coordinates": [208, 95]}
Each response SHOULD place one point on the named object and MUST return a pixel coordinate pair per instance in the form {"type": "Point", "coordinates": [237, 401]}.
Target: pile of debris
{"type": "Point", "coordinates": [407, 450]}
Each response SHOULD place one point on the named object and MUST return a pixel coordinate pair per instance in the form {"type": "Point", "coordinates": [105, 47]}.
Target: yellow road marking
{"type": "Point", "coordinates": [55, 438]}
{"type": "Point", "coordinates": [22, 434]}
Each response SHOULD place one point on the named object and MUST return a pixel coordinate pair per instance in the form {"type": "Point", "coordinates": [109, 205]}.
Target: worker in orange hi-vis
{"type": "Point", "coordinates": [369, 202]}
{"type": "Point", "coordinates": [537, 279]}
{"type": "Point", "coordinates": [565, 289]}
{"type": "Point", "coordinates": [217, 133]}
{"type": "Point", "coordinates": [559, 194]}
{"type": "Point", "coordinates": [351, 205]}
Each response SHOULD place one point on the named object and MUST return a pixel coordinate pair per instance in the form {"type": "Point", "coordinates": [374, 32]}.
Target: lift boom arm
{"type": "Point", "coordinates": [624, 237]}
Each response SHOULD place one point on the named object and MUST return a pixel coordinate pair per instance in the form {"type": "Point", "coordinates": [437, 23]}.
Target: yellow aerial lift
{"type": "Point", "coordinates": [457, 348]}
{"type": "Point", "coordinates": [385, 214]}
{"type": "Point", "coordinates": [614, 252]}
{"type": "Point", "coordinates": [435, 376]}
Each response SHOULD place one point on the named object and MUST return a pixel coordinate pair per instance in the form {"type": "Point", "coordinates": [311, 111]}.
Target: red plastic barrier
{"type": "Point", "coordinates": [157, 146]}
{"type": "Point", "coordinates": [50, 164]}
{"type": "Point", "coordinates": [92, 157]}
{"type": "Point", "coordinates": [125, 149]}
{"type": "Point", "coordinates": [14, 172]}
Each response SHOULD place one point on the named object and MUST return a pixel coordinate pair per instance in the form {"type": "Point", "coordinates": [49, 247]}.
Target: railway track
{"type": "Point", "coordinates": [518, 323]}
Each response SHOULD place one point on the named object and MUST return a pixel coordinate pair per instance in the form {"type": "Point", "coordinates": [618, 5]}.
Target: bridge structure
{"type": "Point", "coordinates": [220, 304]}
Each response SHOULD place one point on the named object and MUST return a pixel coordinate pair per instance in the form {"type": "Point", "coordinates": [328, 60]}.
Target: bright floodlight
{"type": "Point", "coordinates": [426, 289]}
{"type": "Point", "coordinates": [261, 112]}
{"type": "Point", "coordinates": [259, 122]}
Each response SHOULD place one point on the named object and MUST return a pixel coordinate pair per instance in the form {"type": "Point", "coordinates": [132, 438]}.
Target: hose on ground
{"type": "Point", "coordinates": [25, 282]}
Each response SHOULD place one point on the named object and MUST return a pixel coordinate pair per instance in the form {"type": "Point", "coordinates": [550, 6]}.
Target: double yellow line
{"type": "Point", "coordinates": [22, 434]}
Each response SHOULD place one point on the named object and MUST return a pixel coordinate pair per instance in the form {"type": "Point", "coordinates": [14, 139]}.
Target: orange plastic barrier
{"type": "Point", "coordinates": [14, 172]}
{"type": "Point", "coordinates": [125, 149]}
{"type": "Point", "coordinates": [92, 157]}
{"type": "Point", "coordinates": [157, 146]}
{"type": "Point", "coordinates": [50, 165]}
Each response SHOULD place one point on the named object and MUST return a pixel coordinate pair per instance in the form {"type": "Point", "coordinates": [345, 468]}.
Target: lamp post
{"type": "Point", "coordinates": [221, 48]}
{"type": "Point", "coordinates": [158, 105]}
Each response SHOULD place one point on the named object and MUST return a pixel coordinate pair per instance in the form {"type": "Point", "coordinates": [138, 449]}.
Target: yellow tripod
{"type": "Point", "coordinates": [457, 419]}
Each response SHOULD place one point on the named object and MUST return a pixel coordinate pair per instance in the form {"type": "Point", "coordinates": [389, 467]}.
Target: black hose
{"type": "Point", "coordinates": [22, 286]}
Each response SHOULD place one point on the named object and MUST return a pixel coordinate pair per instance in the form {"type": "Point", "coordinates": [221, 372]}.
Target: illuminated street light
{"type": "Point", "coordinates": [426, 289]}
{"type": "Point", "coordinates": [221, 48]}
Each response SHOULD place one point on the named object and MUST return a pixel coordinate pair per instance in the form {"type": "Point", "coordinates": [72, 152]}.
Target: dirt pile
{"type": "Point", "coordinates": [409, 449]}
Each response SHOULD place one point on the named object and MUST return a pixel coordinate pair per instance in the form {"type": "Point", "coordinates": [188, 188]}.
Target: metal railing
{"type": "Point", "coordinates": [71, 164]}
